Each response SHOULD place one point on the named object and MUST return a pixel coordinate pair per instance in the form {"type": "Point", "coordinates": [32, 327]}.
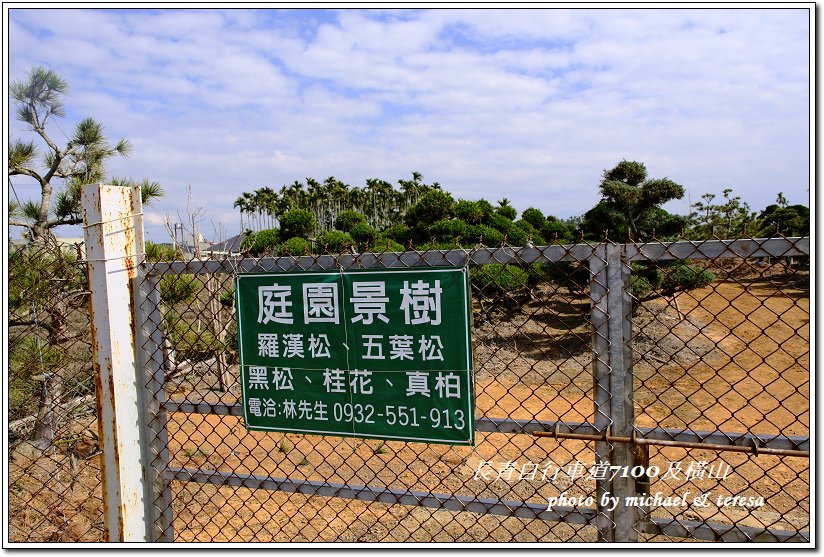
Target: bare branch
{"type": "Point", "coordinates": [30, 323]}
{"type": "Point", "coordinates": [21, 223]}
{"type": "Point", "coordinates": [26, 172]}
{"type": "Point", "coordinates": [67, 220]}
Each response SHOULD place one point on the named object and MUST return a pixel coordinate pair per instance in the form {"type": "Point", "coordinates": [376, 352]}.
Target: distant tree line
{"type": "Point", "coordinates": [378, 201]}
{"type": "Point", "coordinates": [336, 216]}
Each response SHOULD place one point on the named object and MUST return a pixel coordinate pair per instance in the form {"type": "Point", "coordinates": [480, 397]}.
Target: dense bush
{"type": "Point", "coordinates": [473, 212]}
{"type": "Point", "coordinates": [792, 220]}
{"type": "Point", "coordinates": [558, 230]}
{"type": "Point", "coordinates": [515, 236]}
{"type": "Point", "coordinates": [297, 223]}
{"type": "Point", "coordinates": [333, 241]}
{"type": "Point", "coordinates": [433, 206]}
{"type": "Point", "coordinates": [574, 277]}
{"type": "Point", "coordinates": [176, 289]}
{"type": "Point", "coordinates": [259, 243]}
{"type": "Point", "coordinates": [399, 233]}
{"type": "Point", "coordinates": [535, 217]}
{"type": "Point", "coordinates": [507, 211]}
{"type": "Point", "coordinates": [537, 237]}
{"type": "Point", "coordinates": [38, 274]}
{"type": "Point", "coordinates": [448, 229]}
{"type": "Point", "coordinates": [29, 359]}
{"type": "Point", "coordinates": [496, 278]}
{"type": "Point", "coordinates": [158, 252]}
{"type": "Point", "coordinates": [348, 219]}
{"type": "Point", "coordinates": [482, 234]}
{"type": "Point", "coordinates": [294, 246]}
{"type": "Point", "coordinates": [363, 234]}
{"type": "Point", "coordinates": [667, 278]}
{"type": "Point", "coordinates": [383, 244]}
{"type": "Point", "coordinates": [189, 343]}
{"type": "Point", "coordinates": [641, 287]}
{"type": "Point", "coordinates": [686, 277]}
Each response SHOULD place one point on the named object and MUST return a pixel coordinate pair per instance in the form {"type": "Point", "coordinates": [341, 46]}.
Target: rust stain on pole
{"type": "Point", "coordinates": [112, 243]}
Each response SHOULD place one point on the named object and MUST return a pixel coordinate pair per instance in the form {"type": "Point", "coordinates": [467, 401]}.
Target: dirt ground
{"type": "Point", "coordinates": [733, 356]}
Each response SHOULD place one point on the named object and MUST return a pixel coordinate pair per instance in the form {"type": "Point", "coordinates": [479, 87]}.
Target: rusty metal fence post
{"type": "Point", "coordinates": [114, 246]}
{"type": "Point", "coordinates": [613, 390]}
{"type": "Point", "coordinates": [152, 360]}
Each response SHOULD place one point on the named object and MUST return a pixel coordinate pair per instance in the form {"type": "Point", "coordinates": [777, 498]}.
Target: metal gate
{"type": "Point", "coordinates": [566, 403]}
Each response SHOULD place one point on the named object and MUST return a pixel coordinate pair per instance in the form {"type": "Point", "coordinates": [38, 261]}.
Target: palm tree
{"type": "Point", "coordinates": [387, 203]}
{"type": "Point", "coordinates": [357, 199]}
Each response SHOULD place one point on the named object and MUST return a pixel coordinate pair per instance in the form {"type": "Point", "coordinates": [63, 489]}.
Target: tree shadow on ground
{"type": "Point", "coordinates": [549, 325]}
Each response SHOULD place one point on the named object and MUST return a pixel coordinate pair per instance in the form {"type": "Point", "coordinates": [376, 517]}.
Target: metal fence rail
{"type": "Point", "coordinates": [686, 359]}
{"type": "Point", "coordinates": [524, 399]}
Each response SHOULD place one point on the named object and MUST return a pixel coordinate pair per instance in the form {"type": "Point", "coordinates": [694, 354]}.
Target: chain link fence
{"type": "Point", "coordinates": [53, 471]}
{"type": "Point", "coordinates": [674, 377]}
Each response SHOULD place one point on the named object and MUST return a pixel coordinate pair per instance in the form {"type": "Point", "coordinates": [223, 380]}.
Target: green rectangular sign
{"type": "Point", "coordinates": [381, 354]}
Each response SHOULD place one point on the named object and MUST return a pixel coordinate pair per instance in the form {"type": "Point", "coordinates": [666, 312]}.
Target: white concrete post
{"type": "Point", "coordinates": [114, 248]}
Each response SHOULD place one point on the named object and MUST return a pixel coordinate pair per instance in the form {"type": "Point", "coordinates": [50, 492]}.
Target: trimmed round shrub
{"type": "Point", "coordinates": [486, 207]}
{"type": "Point", "coordinates": [563, 230]}
{"type": "Point", "coordinates": [448, 229]}
{"type": "Point", "coordinates": [686, 277]}
{"type": "Point", "coordinates": [333, 241]}
{"type": "Point", "coordinates": [473, 212]}
{"type": "Point", "coordinates": [526, 227]}
{"type": "Point", "coordinates": [264, 241]}
{"type": "Point", "coordinates": [294, 246]}
{"type": "Point", "coordinates": [515, 236]}
{"type": "Point", "coordinates": [534, 217]}
{"type": "Point", "coordinates": [538, 239]}
{"type": "Point", "coordinates": [348, 219]}
{"type": "Point", "coordinates": [500, 223]}
{"type": "Point", "coordinates": [297, 223]}
{"type": "Point", "coordinates": [399, 233]}
{"type": "Point", "coordinates": [362, 233]}
{"type": "Point", "coordinates": [482, 234]}
{"type": "Point", "coordinates": [383, 244]}
{"type": "Point", "coordinates": [433, 206]}
{"type": "Point", "coordinates": [507, 211]}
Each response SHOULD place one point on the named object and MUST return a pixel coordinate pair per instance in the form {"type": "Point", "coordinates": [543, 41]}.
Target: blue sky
{"type": "Point", "coordinates": [531, 105]}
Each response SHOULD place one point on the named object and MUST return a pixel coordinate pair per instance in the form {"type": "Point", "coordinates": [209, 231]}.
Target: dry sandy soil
{"type": "Point", "coordinates": [733, 356]}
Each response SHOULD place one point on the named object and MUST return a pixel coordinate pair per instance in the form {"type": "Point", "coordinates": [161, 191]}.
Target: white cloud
{"type": "Point", "coordinates": [533, 103]}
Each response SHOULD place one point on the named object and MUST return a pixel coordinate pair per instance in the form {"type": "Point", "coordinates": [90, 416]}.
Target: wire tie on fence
{"type": "Point", "coordinates": [140, 214]}
{"type": "Point", "coordinates": [114, 258]}
{"type": "Point", "coordinates": [754, 443]}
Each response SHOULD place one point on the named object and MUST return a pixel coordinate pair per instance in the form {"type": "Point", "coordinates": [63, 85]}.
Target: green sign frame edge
{"type": "Point", "coordinates": [469, 364]}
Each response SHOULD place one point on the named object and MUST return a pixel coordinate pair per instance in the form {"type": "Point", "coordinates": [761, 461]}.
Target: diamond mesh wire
{"type": "Point", "coordinates": [695, 319]}
{"type": "Point", "coordinates": [730, 355]}
{"type": "Point", "coordinates": [531, 343]}
{"type": "Point", "coordinates": [535, 349]}
{"type": "Point", "coordinates": [54, 463]}
{"type": "Point", "coordinates": [718, 352]}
